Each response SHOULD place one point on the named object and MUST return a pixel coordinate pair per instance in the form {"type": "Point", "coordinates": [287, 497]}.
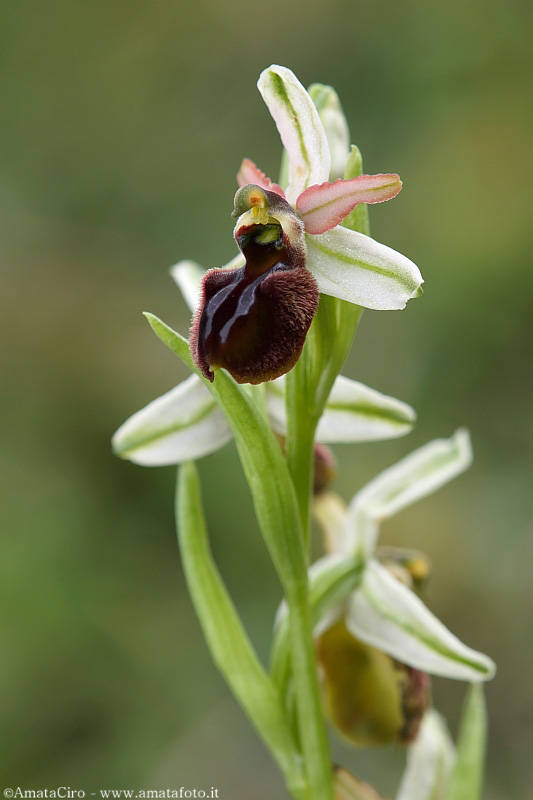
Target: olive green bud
{"type": "Point", "coordinates": [347, 787]}
{"type": "Point", "coordinates": [370, 698]}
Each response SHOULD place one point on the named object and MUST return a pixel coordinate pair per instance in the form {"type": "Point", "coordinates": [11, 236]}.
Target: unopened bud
{"type": "Point", "coordinates": [348, 787]}
{"type": "Point", "coordinates": [410, 566]}
{"type": "Point", "coordinates": [371, 699]}
{"type": "Point", "coordinates": [325, 468]}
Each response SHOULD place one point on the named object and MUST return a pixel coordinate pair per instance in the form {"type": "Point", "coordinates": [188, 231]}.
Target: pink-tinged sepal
{"type": "Point", "coordinates": [253, 320]}
{"type": "Point", "coordinates": [250, 173]}
{"type": "Point", "coordinates": [325, 206]}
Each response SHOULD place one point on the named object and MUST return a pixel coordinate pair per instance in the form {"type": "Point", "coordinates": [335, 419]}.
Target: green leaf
{"type": "Point", "coordinates": [275, 504]}
{"type": "Point", "coordinates": [467, 777]}
{"type": "Point", "coordinates": [225, 635]}
{"type": "Point", "coordinates": [262, 459]}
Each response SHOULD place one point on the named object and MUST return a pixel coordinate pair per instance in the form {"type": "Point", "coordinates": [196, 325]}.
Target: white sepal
{"type": "Point", "coordinates": [356, 413]}
{"type": "Point", "coordinates": [188, 276]}
{"type": "Point", "coordinates": [356, 268]}
{"type": "Point", "coordinates": [182, 425]}
{"type": "Point", "coordinates": [429, 761]}
{"type": "Point", "coordinates": [415, 476]}
{"type": "Point", "coordinates": [299, 126]}
{"type": "Point", "coordinates": [386, 614]}
{"type": "Point", "coordinates": [353, 413]}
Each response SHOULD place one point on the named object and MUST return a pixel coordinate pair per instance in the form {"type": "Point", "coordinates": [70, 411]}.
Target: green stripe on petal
{"type": "Point", "coordinates": [182, 425]}
{"type": "Point", "coordinates": [299, 126]}
{"type": "Point", "coordinates": [356, 268]}
{"type": "Point", "coordinates": [353, 413]}
{"type": "Point", "coordinates": [324, 206]}
{"type": "Point", "coordinates": [387, 615]}
{"type": "Point", "coordinates": [414, 477]}
{"type": "Point", "coordinates": [429, 761]}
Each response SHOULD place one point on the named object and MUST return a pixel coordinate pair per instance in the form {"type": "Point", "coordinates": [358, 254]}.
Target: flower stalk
{"type": "Point", "coordinates": [283, 314]}
{"type": "Point", "coordinates": [277, 513]}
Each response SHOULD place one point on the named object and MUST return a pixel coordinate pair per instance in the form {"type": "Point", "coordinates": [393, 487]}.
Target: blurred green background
{"type": "Point", "coordinates": [123, 126]}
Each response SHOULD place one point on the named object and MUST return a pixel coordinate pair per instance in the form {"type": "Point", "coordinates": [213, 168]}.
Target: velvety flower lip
{"type": "Point", "coordinates": [253, 319]}
{"type": "Point", "coordinates": [346, 264]}
{"type": "Point", "coordinates": [185, 423]}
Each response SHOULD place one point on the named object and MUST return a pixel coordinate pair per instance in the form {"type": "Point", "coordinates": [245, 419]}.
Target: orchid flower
{"type": "Point", "coordinates": [293, 247]}
{"type": "Point", "coordinates": [383, 612]}
{"type": "Point", "coordinates": [436, 768]}
{"type": "Point", "coordinates": [430, 761]}
{"type": "Point", "coordinates": [375, 640]}
{"type": "Point", "coordinates": [186, 424]}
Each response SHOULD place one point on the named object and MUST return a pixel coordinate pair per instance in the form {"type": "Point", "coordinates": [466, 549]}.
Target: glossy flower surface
{"type": "Point", "coordinates": [185, 423]}
{"type": "Point", "coordinates": [253, 320]}
{"type": "Point", "coordinates": [371, 698]}
{"type": "Point", "coordinates": [254, 315]}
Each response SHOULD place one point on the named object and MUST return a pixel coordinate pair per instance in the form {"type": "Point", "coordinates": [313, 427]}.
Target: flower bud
{"type": "Point", "coordinates": [253, 320]}
{"type": "Point", "coordinates": [410, 566]}
{"type": "Point", "coordinates": [371, 699]}
{"type": "Point", "coordinates": [347, 787]}
{"type": "Point", "coordinates": [325, 468]}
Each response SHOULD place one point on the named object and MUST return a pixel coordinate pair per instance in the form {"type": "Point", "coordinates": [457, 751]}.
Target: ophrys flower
{"type": "Point", "coordinates": [254, 315]}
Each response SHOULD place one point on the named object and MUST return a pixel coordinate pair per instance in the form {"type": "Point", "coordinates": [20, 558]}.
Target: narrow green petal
{"type": "Point", "coordinates": [467, 777]}
{"type": "Point", "coordinates": [386, 614]}
{"type": "Point", "coordinates": [181, 425]}
{"type": "Point", "coordinates": [224, 633]}
{"type": "Point", "coordinates": [429, 761]}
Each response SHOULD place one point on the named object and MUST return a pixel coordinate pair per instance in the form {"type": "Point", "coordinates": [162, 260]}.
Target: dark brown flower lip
{"type": "Point", "coordinates": [253, 320]}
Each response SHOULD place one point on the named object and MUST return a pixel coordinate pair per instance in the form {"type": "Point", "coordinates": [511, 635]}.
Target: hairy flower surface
{"type": "Point", "coordinates": [254, 315]}
{"type": "Point", "coordinates": [253, 320]}
{"type": "Point", "coordinates": [185, 423]}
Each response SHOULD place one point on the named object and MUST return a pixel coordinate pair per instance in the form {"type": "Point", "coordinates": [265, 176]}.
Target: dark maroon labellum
{"type": "Point", "coordinates": [253, 320]}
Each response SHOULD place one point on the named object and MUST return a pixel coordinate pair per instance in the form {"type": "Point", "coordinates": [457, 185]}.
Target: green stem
{"type": "Point", "coordinates": [300, 439]}
{"type": "Point", "coordinates": [311, 722]}
{"type": "Point", "coordinates": [278, 516]}
{"type": "Point", "coordinates": [228, 643]}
